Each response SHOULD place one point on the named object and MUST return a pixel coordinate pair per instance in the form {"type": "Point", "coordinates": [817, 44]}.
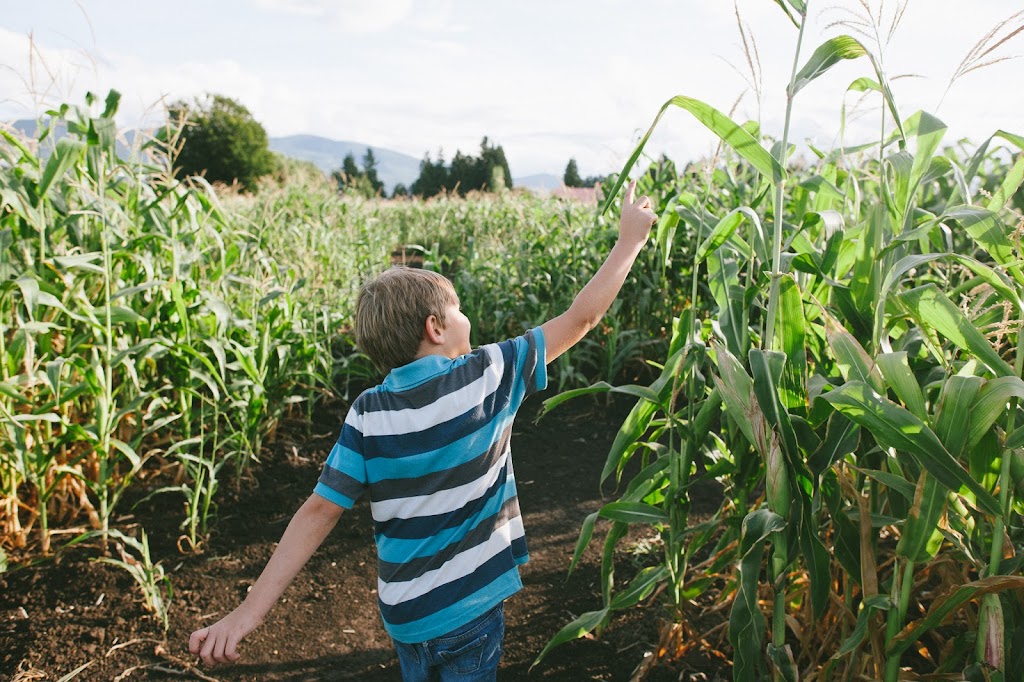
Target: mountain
{"type": "Point", "coordinates": [392, 167]}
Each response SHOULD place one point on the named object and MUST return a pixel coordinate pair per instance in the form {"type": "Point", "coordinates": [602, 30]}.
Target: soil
{"type": "Point", "coordinates": [70, 610]}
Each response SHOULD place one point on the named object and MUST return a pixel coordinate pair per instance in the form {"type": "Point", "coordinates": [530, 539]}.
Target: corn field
{"type": "Point", "coordinates": [835, 342]}
{"type": "Point", "coordinates": [154, 329]}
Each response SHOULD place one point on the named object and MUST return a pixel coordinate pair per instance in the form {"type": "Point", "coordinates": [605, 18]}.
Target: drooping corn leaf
{"type": "Point", "coordinates": [893, 426]}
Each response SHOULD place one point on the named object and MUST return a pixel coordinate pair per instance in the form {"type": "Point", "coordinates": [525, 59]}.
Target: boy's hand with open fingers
{"type": "Point", "coordinates": [218, 643]}
{"type": "Point", "coordinates": [637, 217]}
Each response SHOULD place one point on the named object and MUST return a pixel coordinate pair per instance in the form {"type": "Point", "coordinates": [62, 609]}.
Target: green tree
{"type": "Point", "coordinates": [362, 182]}
{"type": "Point", "coordinates": [221, 141]}
{"type": "Point", "coordinates": [495, 167]}
{"type": "Point", "coordinates": [488, 172]}
{"type": "Point", "coordinates": [571, 177]}
{"type": "Point", "coordinates": [433, 178]}
{"type": "Point", "coordinates": [370, 172]}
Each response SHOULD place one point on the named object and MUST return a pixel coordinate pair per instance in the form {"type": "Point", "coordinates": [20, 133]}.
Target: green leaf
{"type": "Point", "coordinates": [901, 379]}
{"type": "Point", "coordinates": [721, 125]}
{"type": "Point", "coordinates": [959, 394]}
{"type": "Point", "coordinates": [640, 587]}
{"type": "Point", "coordinates": [876, 602]}
{"type": "Point", "coordinates": [792, 340]}
{"type": "Point", "coordinates": [986, 229]}
{"type": "Point", "coordinates": [643, 412]}
{"type": "Point", "coordinates": [893, 426]}
{"type": "Point", "coordinates": [892, 481]}
{"type": "Point", "coordinates": [66, 154]}
{"type": "Point", "coordinates": [746, 622]}
{"type": "Point", "coordinates": [737, 391]}
{"type": "Point", "coordinates": [634, 512]}
{"type": "Point", "coordinates": [725, 228]}
{"type": "Point", "coordinates": [767, 368]}
{"type": "Point", "coordinates": [933, 309]}
{"type": "Point", "coordinates": [574, 630]}
{"type": "Point", "coordinates": [991, 404]}
{"type": "Point", "coordinates": [854, 362]}
{"type": "Point", "coordinates": [586, 532]}
{"type": "Point", "coordinates": [841, 438]}
{"type": "Point", "coordinates": [921, 536]}
{"type": "Point", "coordinates": [827, 55]}
{"type": "Point", "coordinates": [1011, 183]}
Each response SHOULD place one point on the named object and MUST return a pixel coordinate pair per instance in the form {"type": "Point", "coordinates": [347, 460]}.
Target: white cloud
{"type": "Point", "coordinates": [350, 16]}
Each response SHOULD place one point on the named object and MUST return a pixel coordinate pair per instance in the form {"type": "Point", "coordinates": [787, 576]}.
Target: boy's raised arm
{"type": "Point", "coordinates": [593, 301]}
{"type": "Point", "coordinates": [306, 531]}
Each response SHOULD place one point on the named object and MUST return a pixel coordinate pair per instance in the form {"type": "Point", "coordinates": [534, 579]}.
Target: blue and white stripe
{"type": "Point", "coordinates": [431, 447]}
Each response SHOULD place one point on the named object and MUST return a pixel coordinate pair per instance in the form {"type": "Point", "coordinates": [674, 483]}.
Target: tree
{"type": "Point", "coordinates": [363, 182]}
{"type": "Point", "coordinates": [488, 172]}
{"type": "Point", "coordinates": [433, 178]}
{"type": "Point", "coordinates": [370, 172]}
{"type": "Point", "coordinates": [572, 178]}
{"type": "Point", "coordinates": [497, 175]}
{"type": "Point", "coordinates": [221, 141]}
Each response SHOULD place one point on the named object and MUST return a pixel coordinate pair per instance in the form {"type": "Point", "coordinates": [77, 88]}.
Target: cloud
{"type": "Point", "coordinates": [349, 16]}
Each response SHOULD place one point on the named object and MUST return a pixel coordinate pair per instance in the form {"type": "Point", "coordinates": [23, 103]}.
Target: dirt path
{"type": "Point", "coordinates": [59, 615]}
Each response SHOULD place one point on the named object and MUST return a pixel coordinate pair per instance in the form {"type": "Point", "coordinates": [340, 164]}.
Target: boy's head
{"type": "Point", "coordinates": [392, 309]}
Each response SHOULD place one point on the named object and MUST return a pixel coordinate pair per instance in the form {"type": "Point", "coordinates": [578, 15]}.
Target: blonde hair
{"type": "Point", "coordinates": [391, 310]}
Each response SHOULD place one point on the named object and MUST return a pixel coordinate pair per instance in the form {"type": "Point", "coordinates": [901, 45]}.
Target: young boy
{"type": "Point", "coordinates": [431, 446]}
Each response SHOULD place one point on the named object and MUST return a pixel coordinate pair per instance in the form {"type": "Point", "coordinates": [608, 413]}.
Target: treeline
{"type": "Point", "coordinates": [487, 172]}
{"type": "Point", "coordinates": [223, 142]}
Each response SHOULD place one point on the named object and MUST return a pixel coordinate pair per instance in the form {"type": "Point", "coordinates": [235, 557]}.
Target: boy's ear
{"type": "Point", "coordinates": [433, 330]}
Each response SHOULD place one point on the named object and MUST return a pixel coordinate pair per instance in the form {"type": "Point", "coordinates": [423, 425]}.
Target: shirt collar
{"type": "Point", "coordinates": [416, 372]}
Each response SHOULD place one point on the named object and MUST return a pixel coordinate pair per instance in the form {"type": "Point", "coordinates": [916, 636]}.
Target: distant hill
{"type": "Point", "coordinates": [392, 167]}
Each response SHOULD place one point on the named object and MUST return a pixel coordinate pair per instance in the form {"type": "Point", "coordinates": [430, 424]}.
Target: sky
{"type": "Point", "coordinates": [548, 81]}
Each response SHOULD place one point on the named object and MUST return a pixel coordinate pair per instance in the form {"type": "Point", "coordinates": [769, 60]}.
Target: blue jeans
{"type": "Point", "coordinates": [467, 653]}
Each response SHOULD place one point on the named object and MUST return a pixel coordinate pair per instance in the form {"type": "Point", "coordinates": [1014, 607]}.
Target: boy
{"type": "Point", "coordinates": [431, 445]}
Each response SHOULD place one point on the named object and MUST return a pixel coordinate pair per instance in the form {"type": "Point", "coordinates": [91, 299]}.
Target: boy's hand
{"type": "Point", "coordinates": [637, 217]}
{"type": "Point", "coordinates": [218, 642]}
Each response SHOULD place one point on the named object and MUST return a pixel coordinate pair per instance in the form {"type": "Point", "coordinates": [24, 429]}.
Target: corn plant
{"type": "Point", "coordinates": [157, 591]}
{"type": "Point", "coordinates": [839, 373]}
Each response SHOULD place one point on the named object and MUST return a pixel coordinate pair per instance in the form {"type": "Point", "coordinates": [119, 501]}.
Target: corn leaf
{"type": "Point", "coordinates": [934, 310]}
{"type": "Point", "coordinates": [574, 630]}
{"type": "Point", "coordinates": [945, 605]}
{"type": "Point", "coordinates": [640, 587]}
{"type": "Point", "coordinates": [901, 379]}
{"type": "Point", "coordinates": [586, 532]}
{"type": "Point", "coordinates": [895, 427]}
{"type": "Point", "coordinates": [991, 404]}
{"type": "Point", "coordinates": [746, 622]}
{"type": "Point", "coordinates": [827, 55]}
{"type": "Point", "coordinates": [721, 125]}
{"type": "Point", "coordinates": [67, 153]}
{"type": "Point", "coordinates": [634, 512]}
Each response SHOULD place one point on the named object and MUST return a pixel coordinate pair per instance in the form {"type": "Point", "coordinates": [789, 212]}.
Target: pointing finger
{"type": "Point", "coordinates": [629, 191]}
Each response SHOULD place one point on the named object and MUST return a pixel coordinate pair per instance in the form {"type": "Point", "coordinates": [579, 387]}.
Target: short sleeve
{"type": "Point", "coordinates": [525, 365]}
{"type": "Point", "coordinates": [343, 479]}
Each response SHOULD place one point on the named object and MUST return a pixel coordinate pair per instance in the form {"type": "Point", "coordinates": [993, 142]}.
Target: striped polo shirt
{"type": "Point", "coordinates": [431, 446]}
